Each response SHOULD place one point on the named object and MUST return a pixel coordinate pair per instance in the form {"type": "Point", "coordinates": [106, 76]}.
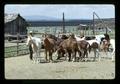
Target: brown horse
{"type": "Point", "coordinates": [96, 48]}
{"type": "Point", "coordinates": [50, 46]}
{"type": "Point", "coordinates": [70, 47]}
{"type": "Point", "coordinates": [84, 46]}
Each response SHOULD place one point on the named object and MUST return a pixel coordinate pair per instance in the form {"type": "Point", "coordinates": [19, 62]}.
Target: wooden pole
{"type": "Point", "coordinates": [101, 22]}
{"type": "Point", "coordinates": [63, 23]}
{"type": "Point", "coordinates": [18, 29]}
{"type": "Point", "coordinates": [93, 24]}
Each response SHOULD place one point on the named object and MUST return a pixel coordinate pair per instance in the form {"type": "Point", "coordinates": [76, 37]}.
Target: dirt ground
{"type": "Point", "coordinates": [22, 68]}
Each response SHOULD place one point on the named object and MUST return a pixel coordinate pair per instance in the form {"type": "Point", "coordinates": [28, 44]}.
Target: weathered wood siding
{"type": "Point", "coordinates": [12, 27]}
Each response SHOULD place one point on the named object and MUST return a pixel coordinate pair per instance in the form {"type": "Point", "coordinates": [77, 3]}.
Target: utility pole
{"type": "Point", "coordinates": [101, 21]}
{"type": "Point", "coordinates": [18, 31]}
{"type": "Point", "coordinates": [63, 23]}
{"type": "Point", "coordinates": [93, 24]}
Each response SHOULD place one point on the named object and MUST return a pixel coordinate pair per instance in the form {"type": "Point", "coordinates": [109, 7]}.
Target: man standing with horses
{"type": "Point", "coordinates": [30, 47]}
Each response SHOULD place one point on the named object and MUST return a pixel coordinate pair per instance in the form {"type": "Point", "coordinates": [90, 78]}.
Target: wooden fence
{"type": "Point", "coordinates": [19, 50]}
{"type": "Point", "coordinates": [12, 51]}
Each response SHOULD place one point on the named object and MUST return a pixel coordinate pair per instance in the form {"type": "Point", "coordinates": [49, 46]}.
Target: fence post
{"type": "Point", "coordinates": [17, 43]}
{"type": "Point", "coordinates": [93, 24]}
{"type": "Point", "coordinates": [18, 32]}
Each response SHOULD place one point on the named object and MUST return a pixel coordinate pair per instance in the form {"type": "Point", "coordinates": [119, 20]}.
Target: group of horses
{"type": "Point", "coordinates": [69, 46]}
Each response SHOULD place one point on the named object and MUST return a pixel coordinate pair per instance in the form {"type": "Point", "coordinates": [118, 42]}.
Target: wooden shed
{"type": "Point", "coordinates": [82, 27]}
{"type": "Point", "coordinates": [14, 23]}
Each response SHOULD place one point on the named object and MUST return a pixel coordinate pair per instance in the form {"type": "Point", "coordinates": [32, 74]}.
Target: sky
{"type": "Point", "coordinates": [74, 11]}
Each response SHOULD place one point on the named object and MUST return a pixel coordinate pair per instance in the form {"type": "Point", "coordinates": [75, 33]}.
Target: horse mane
{"type": "Point", "coordinates": [46, 40]}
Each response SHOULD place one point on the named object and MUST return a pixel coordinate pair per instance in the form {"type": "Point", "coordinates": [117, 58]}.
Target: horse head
{"type": "Point", "coordinates": [72, 36]}
{"type": "Point", "coordinates": [107, 37]}
{"type": "Point", "coordinates": [29, 40]}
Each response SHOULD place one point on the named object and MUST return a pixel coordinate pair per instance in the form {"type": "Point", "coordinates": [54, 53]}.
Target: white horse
{"type": "Point", "coordinates": [36, 46]}
{"type": "Point", "coordinates": [112, 42]}
{"type": "Point", "coordinates": [97, 42]}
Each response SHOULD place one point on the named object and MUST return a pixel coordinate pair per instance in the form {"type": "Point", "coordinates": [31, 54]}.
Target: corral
{"type": "Point", "coordinates": [21, 67]}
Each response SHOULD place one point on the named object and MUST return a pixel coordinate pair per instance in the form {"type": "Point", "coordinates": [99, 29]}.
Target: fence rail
{"type": "Point", "coordinates": [19, 50]}
{"type": "Point", "coordinates": [11, 51]}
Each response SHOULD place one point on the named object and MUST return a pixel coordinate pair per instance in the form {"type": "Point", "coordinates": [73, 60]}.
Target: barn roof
{"type": "Point", "coordinates": [10, 17]}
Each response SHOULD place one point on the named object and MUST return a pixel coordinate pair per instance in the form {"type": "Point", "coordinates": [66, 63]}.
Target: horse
{"type": "Point", "coordinates": [50, 47]}
{"type": "Point", "coordinates": [95, 45]}
{"type": "Point", "coordinates": [69, 46]}
{"type": "Point", "coordinates": [104, 46]}
{"type": "Point", "coordinates": [106, 43]}
{"type": "Point", "coordinates": [58, 40]}
{"type": "Point", "coordinates": [35, 44]}
{"type": "Point", "coordinates": [112, 43]}
{"type": "Point", "coordinates": [84, 48]}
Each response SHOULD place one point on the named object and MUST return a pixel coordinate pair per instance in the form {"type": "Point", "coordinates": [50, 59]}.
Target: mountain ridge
{"type": "Point", "coordinates": [48, 18]}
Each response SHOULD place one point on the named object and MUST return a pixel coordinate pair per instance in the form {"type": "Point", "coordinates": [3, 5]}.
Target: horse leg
{"type": "Point", "coordinates": [113, 51]}
{"type": "Point", "coordinates": [66, 54]}
{"type": "Point", "coordinates": [50, 56]}
{"type": "Point", "coordinates": [74, 56]}
{"type": "Point", "coordinates": [69, 55]}
{"type": "Point", "coordinates": [34, 57]}
{"type": "Point", "coordinates": [31, 52]}
{"type": "Point", "coordinates": [39, 55]}
{"type": "Point", "coordinates": [94, 54]}
{"type": "Point", "coordinates": [105, 50]}
{"type": "Point", "coordinates": [112, 57]}
{"type": "Point", "coordinates": [113, 54]}
{"type": "Point", "coordinates": [46, 55]}
{"type": "Point", "coordinates": [59, 53]}
{"type": "Point", "coordinates": [86, 53]}
{"type": "Point", "coordinates": [98, 54]}
{"type": "Point", "coordinates": [82, 55]}
{"type": "Point", "coordinates": [79, 52]}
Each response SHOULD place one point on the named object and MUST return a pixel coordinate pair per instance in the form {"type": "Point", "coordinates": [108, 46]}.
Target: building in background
{"type": "Point", "coordinates": [14, 23]}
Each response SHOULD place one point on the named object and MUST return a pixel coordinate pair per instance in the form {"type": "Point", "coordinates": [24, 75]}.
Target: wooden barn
{"type": "Point", "coordinates": [14, 23]}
